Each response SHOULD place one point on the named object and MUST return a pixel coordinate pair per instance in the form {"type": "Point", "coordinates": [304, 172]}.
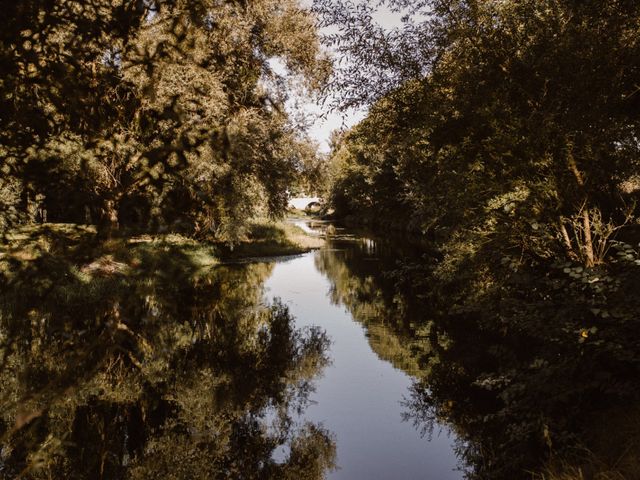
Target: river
{"type": "Point", "coordinates": [359, 396]}
{"type": "Point", "coordinates": [347, 362]}
{"type": "Point", "coordinates": [283, 369]}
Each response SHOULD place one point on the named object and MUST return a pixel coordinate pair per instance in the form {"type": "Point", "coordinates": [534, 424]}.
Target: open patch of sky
{"type": "Point", "coordinates": [322, 120]}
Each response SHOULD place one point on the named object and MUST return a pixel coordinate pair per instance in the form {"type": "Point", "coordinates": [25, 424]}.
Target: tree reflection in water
{"type": "Point", "coordinates": [515, 393]}
{"type": "Point", "coordinates": [359, 281]}
{"type": "Point", "coordinates": [154, 373]}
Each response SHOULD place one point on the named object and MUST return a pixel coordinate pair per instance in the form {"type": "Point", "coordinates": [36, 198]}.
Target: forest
{"type": "Point", "coordinates": [153, 114]}
{"type": "Point", "coordinates": [147, 146]}
{"type": "Point", "coordinates": [506, 135]}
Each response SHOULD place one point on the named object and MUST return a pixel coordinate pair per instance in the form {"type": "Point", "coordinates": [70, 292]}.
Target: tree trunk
{"type": "Point", "coordinates": [566, 239]}
{"type": "Point", "coordinates": [588, 242]}
{"type": "Point", "coordinates": [589, 260]}
{"type": "Point", "coordinates": [108, 223]}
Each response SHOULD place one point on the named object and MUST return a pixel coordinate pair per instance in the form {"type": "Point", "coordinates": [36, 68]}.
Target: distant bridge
{"type": "Point", "coordinates": [301, 203]}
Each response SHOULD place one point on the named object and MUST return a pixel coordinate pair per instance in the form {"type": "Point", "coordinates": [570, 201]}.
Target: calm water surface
{"type": "Point", "coordinates": [265, 370]}
{"type": "Point", "coordinates": [139, 363]}
{"type": "Point", "coordinates": [359, 397]}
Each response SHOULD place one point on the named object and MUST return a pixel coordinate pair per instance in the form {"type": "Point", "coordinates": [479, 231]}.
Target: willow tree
{"type": "Point", "coordinates": [154, 107]}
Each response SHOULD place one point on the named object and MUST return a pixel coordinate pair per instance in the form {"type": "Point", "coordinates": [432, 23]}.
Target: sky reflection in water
{"type": "Point", "coordinates": [359, 396]}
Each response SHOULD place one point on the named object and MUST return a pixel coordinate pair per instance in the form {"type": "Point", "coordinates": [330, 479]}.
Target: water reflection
{"type": "Point", "coordinates": [154, 374]}
{"type": "Point", "coordinates": [359, 274]}
{"type": "Point", "coordinates": [359, 397]}
{"type": "Point", "coordinates": [514, 392]}
{"type": "Point", "coordinates": [148, 368]}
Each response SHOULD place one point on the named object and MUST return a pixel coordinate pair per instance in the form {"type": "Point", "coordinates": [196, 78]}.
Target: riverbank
{"type": "Point", "coordinates": [536, 355]}
{"type": "Point", "coordinates": [75, 248]}
{"type": "Point", "coordinates": [399, 224]}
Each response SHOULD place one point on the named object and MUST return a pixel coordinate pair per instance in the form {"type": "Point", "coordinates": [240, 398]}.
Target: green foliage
{"type": "Point", "coordinates": [533, 366]}
{"type": "Point", "coordinates": [506, 133]}
{"type": "Point", "coordinates": [140, 362]}
{"type": "Point", "coordinates": [523, 132]}
{"type": "Point", "coordinates": [161, 114]}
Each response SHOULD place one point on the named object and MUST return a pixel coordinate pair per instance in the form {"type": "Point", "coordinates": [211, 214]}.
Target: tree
{"type": "Point", "coordinates": [514, 149]}
{"type": "Point", "coordinates": [524, 108]}
{"type": "Point", "coordinates": [156, 102]}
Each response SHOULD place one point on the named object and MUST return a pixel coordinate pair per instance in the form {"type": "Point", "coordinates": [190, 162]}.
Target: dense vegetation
{"type": "Point", "coordinates": [527, 389]}
{"type": "Point", "coordinates": [154, 115]}
{"type": "Point", "coordinates": [523, 131]}
{"type": "Point", "coordinates": [506, 133]}
{"type": "Point", "coordinates": [126, 128]}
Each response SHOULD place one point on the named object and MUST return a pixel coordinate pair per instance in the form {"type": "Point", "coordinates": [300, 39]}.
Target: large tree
{"type": "Point", "coordinates": [512, 117]}
{"type": "Point", "coordinates": [168, 109]}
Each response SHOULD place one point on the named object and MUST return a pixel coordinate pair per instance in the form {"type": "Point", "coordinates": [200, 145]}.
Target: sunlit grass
{"type": "Point", "coordinates": [273, 239]}
{"type": "Point", "coordinates": [75, 248]}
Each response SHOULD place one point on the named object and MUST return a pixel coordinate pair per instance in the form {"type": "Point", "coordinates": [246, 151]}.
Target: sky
{"type": "Point", "coordinates": [322, 127]}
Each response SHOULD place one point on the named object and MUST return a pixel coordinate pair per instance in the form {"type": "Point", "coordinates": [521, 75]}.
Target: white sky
{"type": "Point", "coordinates": [322, 128]}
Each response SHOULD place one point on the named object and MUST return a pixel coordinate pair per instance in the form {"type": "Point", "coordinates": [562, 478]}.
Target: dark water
{"type": "Point", "coordinates": [261, 370]}
{"type": "Point", "coordinates": [341, 363]}
{"type": "Point", "coordinates": [359, 397]}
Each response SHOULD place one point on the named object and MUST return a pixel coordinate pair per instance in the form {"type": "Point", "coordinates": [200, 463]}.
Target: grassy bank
{"type": "Point", "coordinates": [75, 248]}
{"type": "Point", "coordinates": [266, 239]}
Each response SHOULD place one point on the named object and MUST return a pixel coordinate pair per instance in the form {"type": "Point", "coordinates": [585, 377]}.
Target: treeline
{"type": "Point", "coordinates": [507, 133]}
{"type": "Point", "coordinates": [159, 114]}
{"type": "Point", "coordinates": [515, 123]}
